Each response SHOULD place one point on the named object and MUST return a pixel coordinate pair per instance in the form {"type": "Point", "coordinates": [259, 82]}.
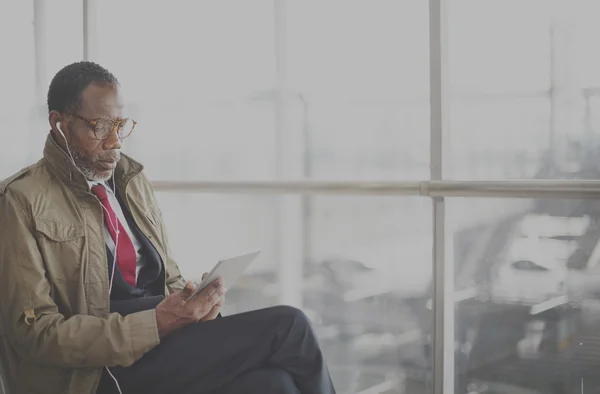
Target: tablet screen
{"type": "Point", "coordinates": [229, 269]}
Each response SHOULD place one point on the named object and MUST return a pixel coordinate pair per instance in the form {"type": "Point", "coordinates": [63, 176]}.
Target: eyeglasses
{"type": "Point", "coordinates": [104, 127]}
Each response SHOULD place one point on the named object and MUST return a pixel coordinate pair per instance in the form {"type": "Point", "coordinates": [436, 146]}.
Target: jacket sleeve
{"type": "Point", "coordinates": [175, 282]}
{"type": "Point", "coordinates": [35, 327]}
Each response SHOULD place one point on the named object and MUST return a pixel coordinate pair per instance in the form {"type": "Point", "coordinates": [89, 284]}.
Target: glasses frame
{"type": "Point", "coordinates": [115, 125]}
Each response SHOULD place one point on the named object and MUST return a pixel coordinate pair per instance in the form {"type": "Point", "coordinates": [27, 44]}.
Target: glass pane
{"type": "Point", "coordinates": [18, 85]}
{"type": "Point", "coordinates": [50, 58]}
{"type": "Point", "coordinates": [196, 85]}
{"type": "Point", "coordinates": [31, 57]}
{"type": "Point", "coordinates": [523, 86]}
{"type": "Point", "coordinates": [174, 52]}
{"type": "Point", "coordinates": [204, 228]}
{"type": "Point", "coordinates": [358, 49]}
{"type": "Point", "coordinates": [69, 32]}
{"type": "Point", "coordinates": [368, 141]}
{"type": "Point", "coordinates": [367, 274]}
{"type": "Point", "coordinates": [362, 71]}
{"type": "Point", "coordinates": [232, 139]}
{"type": "Point", "coordinates": [500, 138]}
{"type": "Point", "coordinates": [527, 304]}
{"type": "Point", "coordinates": [499, 46]}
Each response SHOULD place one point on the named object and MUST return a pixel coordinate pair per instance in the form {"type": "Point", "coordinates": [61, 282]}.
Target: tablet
{"type": "Point", "coordinates": [229, 269]}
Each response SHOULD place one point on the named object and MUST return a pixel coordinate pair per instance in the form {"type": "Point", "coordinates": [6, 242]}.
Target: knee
{"type": "Point", "coordinates": [279, 381]}
{"type": "Point", "coordinates": [267, 381]}
{"type": "Point", "coordinates": [293, 313]}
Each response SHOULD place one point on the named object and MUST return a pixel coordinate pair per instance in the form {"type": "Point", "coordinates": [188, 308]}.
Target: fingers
{"type": "Point", "coordinates": [186, 292]}
{"type": "Point", "coordinates": [212, 294]}
{"type": "Point", "coordinates": [178, 307]}
{"type": "Point", "coordinates": [215, 310]}
{"type": "Point", "coordinates": [218, 282]}
{"type": "Point", "coordinates": [189, 288]}
{"type": "Point", "coordinates": [208, 299]}
{"type": "Point", "coordinates": [216, 285]}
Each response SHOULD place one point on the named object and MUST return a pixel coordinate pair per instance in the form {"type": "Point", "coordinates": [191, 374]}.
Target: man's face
{"type": "Point", "coordinates": [96, 158]}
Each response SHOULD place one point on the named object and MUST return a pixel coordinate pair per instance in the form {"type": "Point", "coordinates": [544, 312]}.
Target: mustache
{"type": "Point", "coordinates": [113, 155]}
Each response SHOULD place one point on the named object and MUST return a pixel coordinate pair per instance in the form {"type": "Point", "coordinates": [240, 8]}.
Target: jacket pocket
{"type": "Point", "coordinates": [58, 231]}
{"type": "Point", "coordinates": [62, 247]}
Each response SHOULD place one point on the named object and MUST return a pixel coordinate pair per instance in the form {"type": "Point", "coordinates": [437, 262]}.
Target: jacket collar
{"type": "Point", "coordinates": [60, 161]}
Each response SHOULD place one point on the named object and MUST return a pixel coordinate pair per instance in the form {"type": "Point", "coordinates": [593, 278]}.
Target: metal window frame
{"type": "Point", "coordinates": [442, 269]}
{"type": "Point", "coordinates": [90, 29]}
{"type": "Point", "coordinates": [86, 29]}
{"type": "Point", "coordinates": [558, 189]}
{"type": "Point", "coordinates": [290, 217]}
{"type": "Point", "coordinates": [40, 44]}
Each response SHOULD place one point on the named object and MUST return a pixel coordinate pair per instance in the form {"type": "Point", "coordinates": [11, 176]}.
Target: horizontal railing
{"type": "Point", "coordinates": [563, 189]}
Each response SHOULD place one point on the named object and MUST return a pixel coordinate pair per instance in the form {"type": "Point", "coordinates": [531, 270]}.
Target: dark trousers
{"type": "Point", "coordinates": [268, 351]}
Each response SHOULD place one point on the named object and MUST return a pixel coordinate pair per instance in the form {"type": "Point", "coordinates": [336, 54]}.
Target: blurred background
{"type": "Point", "coordinates": [275, 90]}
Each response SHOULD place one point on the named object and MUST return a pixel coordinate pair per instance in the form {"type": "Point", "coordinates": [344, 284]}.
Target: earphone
{"type": "Point", "coordinates": [115, 229]}
{"type": "Point", "coordinates": [112, 225]}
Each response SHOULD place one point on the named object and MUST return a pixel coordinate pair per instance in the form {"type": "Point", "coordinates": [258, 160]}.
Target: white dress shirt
{"type": "Point", "coordinates": [114, 203]}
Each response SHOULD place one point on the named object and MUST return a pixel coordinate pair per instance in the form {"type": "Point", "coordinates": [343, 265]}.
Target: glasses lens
{"type": "Point", "coordinates": [125, 128]}
{"type": "Point", "coordinates": [103, 128]}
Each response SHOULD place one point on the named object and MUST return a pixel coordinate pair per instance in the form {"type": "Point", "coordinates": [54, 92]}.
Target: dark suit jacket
{"type": "Point", "coordinates": [149, 289]}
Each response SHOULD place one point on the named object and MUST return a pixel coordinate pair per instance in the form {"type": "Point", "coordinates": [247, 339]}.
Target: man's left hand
{"type": "Point", "coordinates": [216, 309]}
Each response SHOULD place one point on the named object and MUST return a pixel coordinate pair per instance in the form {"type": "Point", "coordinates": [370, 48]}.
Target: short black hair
{"type": "Point", "coordinates": [67, 86]}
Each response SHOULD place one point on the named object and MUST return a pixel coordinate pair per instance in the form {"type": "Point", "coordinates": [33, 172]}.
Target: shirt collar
{"type": "Point", "coordinates": [105, 184]}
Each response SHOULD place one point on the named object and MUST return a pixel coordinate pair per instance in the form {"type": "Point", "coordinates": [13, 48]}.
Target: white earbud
{"type": "Point", "coordinates": [66, 143]}
{"type": "Point", "coordinates": [113, 225]}
{"type": "Point", "coordinates": [112, 275]}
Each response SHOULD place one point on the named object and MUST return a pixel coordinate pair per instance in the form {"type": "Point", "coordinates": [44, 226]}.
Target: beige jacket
{"type": "Point", "coordinates": [56, 332]}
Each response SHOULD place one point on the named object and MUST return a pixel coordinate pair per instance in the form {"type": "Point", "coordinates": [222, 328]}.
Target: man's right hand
{"type": "Point", "coordinates": [175, 312]}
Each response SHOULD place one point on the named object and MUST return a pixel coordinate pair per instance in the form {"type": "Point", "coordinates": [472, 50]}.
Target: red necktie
{"type": "Point", "coordinates": [126, 257]}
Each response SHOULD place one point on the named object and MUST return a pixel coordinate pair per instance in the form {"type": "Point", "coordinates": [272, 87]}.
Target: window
{"type": "Point", "coordinates": [199, 83]}
{"type": "Point", "coordinates": [16, 95]}
{"type": "Point", "coordinates": [523, 105]}
{"type": "Point", "coordinates": [29, 62]}
{"type": "Point", "coordinates": [362, 72]}
{"type": "Point", "coordinates": [532, 326]}
{"type": "Point", "coordinates": [269, 90]}
{"type": "Point", "coordinates": [523, 90]}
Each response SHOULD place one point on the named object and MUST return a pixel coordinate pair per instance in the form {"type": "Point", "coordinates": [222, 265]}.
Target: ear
{"type": "Point", "coordinates": [54, 118]}
{"type": "Point", "coordinates": [60, 131]}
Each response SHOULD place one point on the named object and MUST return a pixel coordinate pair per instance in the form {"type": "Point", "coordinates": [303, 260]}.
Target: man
{"type": "Point", "coordinates": [90, 299]}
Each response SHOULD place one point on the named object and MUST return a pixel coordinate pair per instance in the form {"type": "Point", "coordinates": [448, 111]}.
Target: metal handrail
{"type": "Point", "coordinates": [563, 189]}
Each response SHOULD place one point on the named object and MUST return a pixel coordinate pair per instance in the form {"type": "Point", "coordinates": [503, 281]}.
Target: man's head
{"type": "Point", "coordinates": [86, 115]}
